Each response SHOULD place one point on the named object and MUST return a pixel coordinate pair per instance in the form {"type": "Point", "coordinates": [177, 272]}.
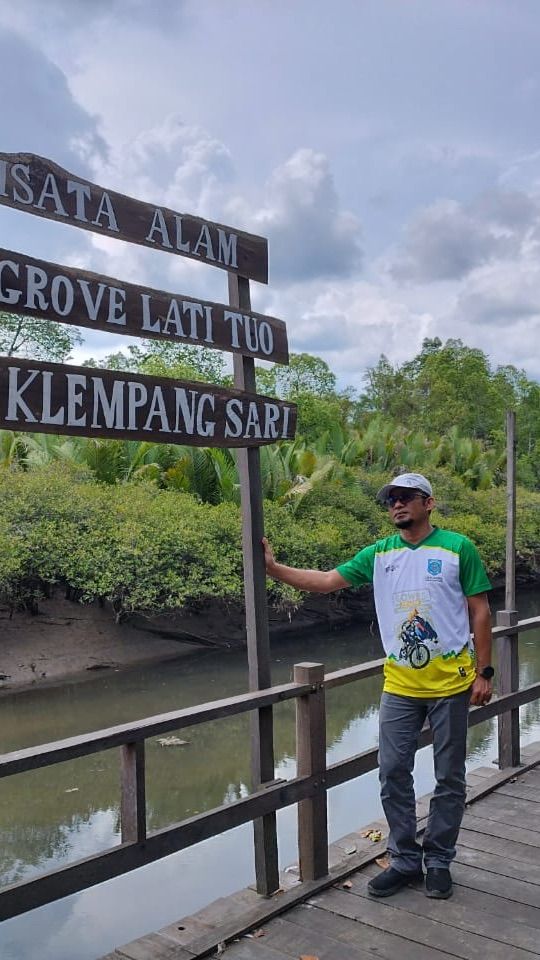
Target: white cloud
{"type": "Point", "coordinates": [445, 242]}
{"type": "Point", "coordinates": [290, 128]}
{"type": "Point", "coordinates": [39, 114]}
{"type": "Point", "coordinates": [501, 293]}
{"type": "Point", "coordinates": [309, 233]}
{"type": "Point", "coordinates": [349, 323]}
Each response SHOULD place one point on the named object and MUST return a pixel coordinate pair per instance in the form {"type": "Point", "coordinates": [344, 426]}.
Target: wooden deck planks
{"type": "Point", "coordinates": [153, 947]}
{"type": "Point", "coordinates": [293, 940]}
{"type": "Point", "coordinates": [517, 850]}
{"type": "Point", "coordinates": [379, 943]}
{"type": "Point", "coordinates": [502, 865]}
{"type": "Point", "coordinates": [509, 810]}
{"type": "Point", "coordinates": [515, 891]}
{"type": "Point", "coordinates": [522, 791]}
{"type": "Point", "coordinates": [495, 908]}
{"type": "Point", "coordinates": [383, 915]}
{"type": "Point", "coordinates": [460, 912]}
{"type": "Point", "coordinates": [503, 830]}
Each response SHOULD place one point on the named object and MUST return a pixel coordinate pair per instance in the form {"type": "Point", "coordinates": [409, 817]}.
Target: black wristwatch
{"type": "Point", "coordinates": [487, 673]}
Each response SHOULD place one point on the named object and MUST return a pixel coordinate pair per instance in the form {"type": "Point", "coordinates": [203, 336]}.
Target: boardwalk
{"type": "Point", "coordinates": [495, 909]}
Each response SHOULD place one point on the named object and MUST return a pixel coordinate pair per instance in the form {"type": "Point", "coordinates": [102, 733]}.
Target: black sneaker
{"type": "Point", "coordinates": [438, 883]}
{"type": "Point", "coordinates": [392, 880]}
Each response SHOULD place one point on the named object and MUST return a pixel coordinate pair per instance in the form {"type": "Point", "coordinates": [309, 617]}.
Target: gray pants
{"type": "Point", "coordinates": [400, 722]}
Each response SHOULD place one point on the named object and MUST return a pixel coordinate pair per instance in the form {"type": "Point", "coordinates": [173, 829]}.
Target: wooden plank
{"type": "Point", "coordinates": [206, 921]}
{"type": "Point", "coordinates": [499, 704]}
{"type": "Point", "coordinates": [51, 291]}
{"type": "Point", "coordinates": [256, 610]}
{"type": "Point", "coordinates": [336, 678]}
{"type": "Point", "coordinates": [457, 912]}
{"type": "Point", "coordinates": [380, 943]}
{"type": "Point", "coordinates": [493, 828]}
{"type": "Point", "coordinates": [495, 863]}
{"type": "Point", "coordinates": [293, 940]}
{"type": "Point", "coordinates": [311, 761]}
{"type": "Point", "coordinates": [384, 916]}
{"type": "Point", "coordinates": [132, 792]}
{"type": "Point", "coordinates": [497, 906]}
{"type": "Point", "coordinates": [501, 846]}
{"type": "Point", "coordinates": [252, 950]}
{"type": "Point", "coordinates": [32, 758]}
{"type": "Point", "coordinates": [38, 186]}
{"type": "Point", "coordinates": [508, 661]}
{"type": "Point", "coordinates": [153, 947]}
{"type": "Point", "coordinates": [510, 566]}
{"type": "Point", "coordinates": [483, 772]}
{"type": "Point", "coordinates": [513, 891]}
{"type": "Point", "coordinates": [531, 779]}
{"type": "Point", "coordinates": [487, 785]}
{"type": "Point", "coordinates": [532, 775]}
{"type": "Point", "coordinates": [510, 810]}
{"type": "Point", "coordinates": [522, 791]}
{"type": "Point", "coordinates": [89, 402]}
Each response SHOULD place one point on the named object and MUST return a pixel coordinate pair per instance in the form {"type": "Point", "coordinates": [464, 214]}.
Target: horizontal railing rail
{"type": "Point", "coordinates": [308, 790]}
{"type": "Point", "coordinates": [47, 754]}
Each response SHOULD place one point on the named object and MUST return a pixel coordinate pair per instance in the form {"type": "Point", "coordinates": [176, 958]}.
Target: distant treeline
{"type": "Point", "coordinates": [151, 527]}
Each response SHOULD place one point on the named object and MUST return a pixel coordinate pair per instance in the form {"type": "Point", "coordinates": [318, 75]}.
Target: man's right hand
{"type": "Point", "coordinates": [269, 558]}
{"type": "Point", "coordinates": [311, 581]}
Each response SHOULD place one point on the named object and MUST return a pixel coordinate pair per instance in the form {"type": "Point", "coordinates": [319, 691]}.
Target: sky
{"type": "Point", "coordinates": [388, 149]}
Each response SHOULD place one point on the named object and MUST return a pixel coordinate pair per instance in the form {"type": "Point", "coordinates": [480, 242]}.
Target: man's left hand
{"type": "Point", "coordinates": [482, 692]}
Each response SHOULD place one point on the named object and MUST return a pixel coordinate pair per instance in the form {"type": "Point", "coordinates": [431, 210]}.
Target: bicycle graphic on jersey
{"type": "Point", "coordinates": [413, 635]}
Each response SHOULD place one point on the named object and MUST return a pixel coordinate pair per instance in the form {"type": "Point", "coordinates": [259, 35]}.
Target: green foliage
{"type": "Point", "coordinates": [138, 547]}
{"type": "Point", "coordinates": [38, 339]}
{"type": "Point", "coordinates": [159, 358]}
{"type": "Point", "coordinates": [152, 527]}
{"type": "Point", "coordinates": [305, 374]}
{"type": "Point", "coordinates": [452, 386]}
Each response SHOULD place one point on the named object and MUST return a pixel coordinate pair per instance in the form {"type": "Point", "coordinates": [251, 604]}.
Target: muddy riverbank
{"type": "Point", "coordinates": [66, 640]}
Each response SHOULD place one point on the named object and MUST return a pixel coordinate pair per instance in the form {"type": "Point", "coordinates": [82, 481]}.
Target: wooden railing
{"type": "Point", "coordinates": [308, 789]}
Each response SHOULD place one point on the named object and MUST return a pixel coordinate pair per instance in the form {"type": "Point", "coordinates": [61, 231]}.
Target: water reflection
{"type": "Point", "coordinates": [53, 816]}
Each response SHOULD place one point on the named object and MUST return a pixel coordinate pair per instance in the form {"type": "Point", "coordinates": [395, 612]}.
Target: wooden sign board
{"type": "Point", "coordinates": [83, 401]}
{"type": "Point", "coordinates": [36, 288]}
{"type": "Point", "coordinates": [38, 186]}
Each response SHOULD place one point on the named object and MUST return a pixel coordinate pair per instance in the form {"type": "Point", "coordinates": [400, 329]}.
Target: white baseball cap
{"type": "Point", "coordinates": [411, 481]}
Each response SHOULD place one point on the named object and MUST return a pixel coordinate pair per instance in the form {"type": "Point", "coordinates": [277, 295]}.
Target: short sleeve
{"type": "Point", "coordinates": [472, 574]}
{"type": "Point", "coordinates": [359, 570]}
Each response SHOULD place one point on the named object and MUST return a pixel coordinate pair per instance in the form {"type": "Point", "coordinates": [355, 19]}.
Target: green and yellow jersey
{"type": "Point", "coordinates": [421, 595]}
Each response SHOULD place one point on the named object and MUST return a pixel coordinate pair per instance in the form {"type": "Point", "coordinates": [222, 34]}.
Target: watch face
{"type": "Point", "coordinates": [487, 673]}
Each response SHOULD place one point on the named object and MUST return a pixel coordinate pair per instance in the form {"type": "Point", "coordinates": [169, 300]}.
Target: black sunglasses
{"type": "Point", "coordinates": [405, 496]}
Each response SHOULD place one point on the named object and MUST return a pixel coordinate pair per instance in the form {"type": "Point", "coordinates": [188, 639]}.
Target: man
{"type": "Point", "coordinates": [430, 589]}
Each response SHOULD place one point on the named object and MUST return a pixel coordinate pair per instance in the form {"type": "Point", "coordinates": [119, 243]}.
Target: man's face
{"type": "Point", "coordinates": [408, 507]}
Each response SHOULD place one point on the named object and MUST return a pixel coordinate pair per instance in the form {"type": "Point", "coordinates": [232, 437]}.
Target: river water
{"type": "Point", "coordinates": [52, 816]}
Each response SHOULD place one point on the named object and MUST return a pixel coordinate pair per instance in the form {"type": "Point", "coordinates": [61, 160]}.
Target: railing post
{"type": "Point", "coordinates": [508, 682]}
{"type": "Point", "coordinates": [507, 645]}
{"type": "Point", "coordinates": [133, 792]}
{"type": "Point", "coordinates": [311, 761]}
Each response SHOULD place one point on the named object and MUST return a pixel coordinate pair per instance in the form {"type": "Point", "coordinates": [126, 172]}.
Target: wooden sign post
{"type": "Point", "coordinates": [83, 401]}
{"type": "Point", "coordinates": [256, 601]}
